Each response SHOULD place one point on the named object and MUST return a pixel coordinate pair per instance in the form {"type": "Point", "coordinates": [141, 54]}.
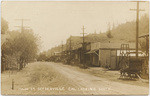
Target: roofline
{"type": "Point", "coordinates": [142, 36]}
{"type": "Point", "coordinates": [114, 48]}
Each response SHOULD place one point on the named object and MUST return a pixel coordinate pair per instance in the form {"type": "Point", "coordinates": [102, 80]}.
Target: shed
{"type": "Point", "coordinates": [106, 54]}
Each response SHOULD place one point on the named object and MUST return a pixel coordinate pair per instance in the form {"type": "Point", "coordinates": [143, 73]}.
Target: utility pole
{"type": "Point", "coordinates": [62, 46]}
{"type": "Point", "coordinates": [22, 22]}
{"type": "Point", "coordinates": [137, 26]}
{"type": "Point", "coordinates": [83, 33]}
{"type": "Point", "coordinates": [70, 47]}
{"type": "Point", "coordinates": [62, 53]}
{"type": "Point", "coordinates": [22, 29]}
{"type": "Point", "coordinates": [83, 45]}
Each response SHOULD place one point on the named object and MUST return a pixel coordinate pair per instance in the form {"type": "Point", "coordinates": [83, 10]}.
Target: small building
{"type": "Point", "coordinates": [106, 54]}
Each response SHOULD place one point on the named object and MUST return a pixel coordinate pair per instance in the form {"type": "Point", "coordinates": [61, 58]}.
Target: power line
{"type": "Point", "coordinates": [62, 46]}
{"type": "Point", "coordinates": [22, 24]}
{"type": "Point", "coordinates": [70, 46]}
{"type": "Point", "coordinates": [83, 34]}
{"type": "Point", "coordinates": [137, 25]}
{"type": "Point", "coordinates": [83, 45]}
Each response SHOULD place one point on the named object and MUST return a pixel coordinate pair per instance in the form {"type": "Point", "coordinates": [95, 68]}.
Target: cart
{"type": "Point", "coordinates": [130, 66]}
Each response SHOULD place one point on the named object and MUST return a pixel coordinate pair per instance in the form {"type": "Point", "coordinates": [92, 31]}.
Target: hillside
{"type": "Point", "coordinates": [123, 33]}
{"type": "Point", "coordinates": [127, 31]}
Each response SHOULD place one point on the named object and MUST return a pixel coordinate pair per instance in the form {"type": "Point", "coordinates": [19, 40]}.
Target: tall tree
{"type": "Point", "coordinates": [21, 46]}
{"type": "Point", "coordinates": [109, 35]}
{"type": "Point", "coordinates": [4, 26]}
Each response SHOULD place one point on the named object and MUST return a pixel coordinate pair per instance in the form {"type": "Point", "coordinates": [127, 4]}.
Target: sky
{"type": "Point", "coordinates": [55, 21]}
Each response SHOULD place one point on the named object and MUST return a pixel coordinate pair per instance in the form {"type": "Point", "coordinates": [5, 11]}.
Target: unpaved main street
{"type": "Point", "coordinates": [56, 78]}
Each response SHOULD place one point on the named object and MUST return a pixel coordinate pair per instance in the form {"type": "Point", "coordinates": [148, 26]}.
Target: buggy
{"type": "Point", "coordinates": [130, 66]}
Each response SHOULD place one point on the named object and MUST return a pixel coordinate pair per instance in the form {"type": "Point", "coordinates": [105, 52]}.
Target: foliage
{"type": "Point", "coordinates": [108, 32]}
{"type": "Point", "coordinates": [109, 35]}
{"type": "Point", "coordinates": [21, 46]}
{"type": "Point", "coordinates": [127, 31]}
{"type": "Point", "coordinates": [4, 26]}
{"type": "Point", "coordinates": [42, 56]}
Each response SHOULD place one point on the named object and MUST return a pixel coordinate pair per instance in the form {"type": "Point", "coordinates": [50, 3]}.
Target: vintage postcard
{"type": "Point", "coordinates": [75, 47]}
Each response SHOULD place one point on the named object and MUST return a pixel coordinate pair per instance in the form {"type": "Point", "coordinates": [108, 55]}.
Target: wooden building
{"type": "Point", "coordinates": [106, 54]}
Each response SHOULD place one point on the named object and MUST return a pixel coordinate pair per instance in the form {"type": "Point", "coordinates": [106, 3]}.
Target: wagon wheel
{"type": "Point", "coordinates": [124, 65]}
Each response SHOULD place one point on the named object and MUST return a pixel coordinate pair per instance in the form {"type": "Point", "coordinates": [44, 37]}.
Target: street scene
{"type": "Point", "coordinates": [75, 48]}
{"type": "Point", "coordinates": [56, 78]}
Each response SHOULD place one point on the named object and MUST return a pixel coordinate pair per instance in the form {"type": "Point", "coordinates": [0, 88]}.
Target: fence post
{"type": "Point", "coordinates": [12, 84]}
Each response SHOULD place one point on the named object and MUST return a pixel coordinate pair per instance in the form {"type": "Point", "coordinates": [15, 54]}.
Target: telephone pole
{"type": "Point", "coordinates": [83, 45]}
{"type": "Point", "coordinates": [62, 46]}
{"type": "Point", "coordinates": [22, 22]}
{"type": "Point", "coordinates": [83, 33]}
{"type": "Point", "coordinates": [22, 29]}
{"type": "Point", "coordinates": [70, 47]}
{"type": "Point", "coordinates": [137, 26]}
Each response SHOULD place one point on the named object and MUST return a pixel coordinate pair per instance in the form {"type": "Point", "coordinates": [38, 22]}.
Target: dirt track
{"type": "Point", "coordinates": [56, 78]}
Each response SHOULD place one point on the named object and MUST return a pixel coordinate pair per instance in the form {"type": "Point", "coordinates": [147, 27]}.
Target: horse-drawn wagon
{"type": "Point", "coordinates": [130, 66]}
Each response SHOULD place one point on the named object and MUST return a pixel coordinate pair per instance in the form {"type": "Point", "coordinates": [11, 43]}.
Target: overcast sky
{"type": "Point", "coordinates": [56, 21]}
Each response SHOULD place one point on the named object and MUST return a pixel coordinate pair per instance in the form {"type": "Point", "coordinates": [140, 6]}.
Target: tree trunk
{"type": "Point", "coordinates": [21, 64]}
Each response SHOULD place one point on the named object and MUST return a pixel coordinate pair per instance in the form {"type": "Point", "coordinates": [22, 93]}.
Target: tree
{"type": "Point", "coordinates": [4, 26]}
{"type": "Point", "coordinates": [42, 57]}
{"type": "Point", "coordinates": [109, 35]}
{"type": "Point", "coordinates": [21, 46]}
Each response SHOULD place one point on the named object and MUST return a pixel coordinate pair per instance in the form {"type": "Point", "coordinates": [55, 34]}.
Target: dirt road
{"type": "Point", "coordinates": [57, 78]}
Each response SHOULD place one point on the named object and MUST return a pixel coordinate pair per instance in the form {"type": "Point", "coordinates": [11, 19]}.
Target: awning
{"type": "Point", "coordinates": [146, 35]}
{"type": "Point", "coordinates": [92, 51]}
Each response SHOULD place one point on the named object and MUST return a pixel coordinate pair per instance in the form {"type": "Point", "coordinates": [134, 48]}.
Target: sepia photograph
{"type": "Point", "coordinates": [75, 47]}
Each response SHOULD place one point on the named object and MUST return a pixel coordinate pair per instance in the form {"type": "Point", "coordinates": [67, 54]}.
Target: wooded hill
{"type": "Point", "coordinates": [123, 33]}
{"type": "Point", "coordinates": [127, 31]}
